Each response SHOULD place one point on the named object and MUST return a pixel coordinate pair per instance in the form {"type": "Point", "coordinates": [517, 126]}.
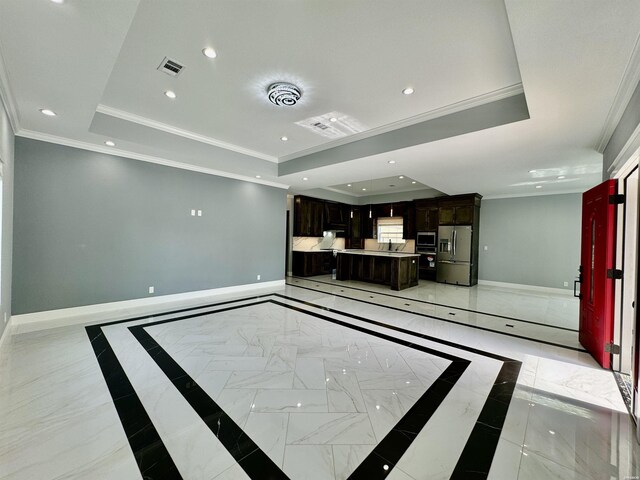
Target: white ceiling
{"type": "Point", "coordinates": [379, 186]}
{"type": "Point", "coordinates": [94, 63]}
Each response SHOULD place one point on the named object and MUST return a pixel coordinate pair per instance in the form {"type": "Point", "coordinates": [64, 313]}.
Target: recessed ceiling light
{"type": "Point", "coordinates": [364, 189]}
{"type": "Point", "coordinates": [532, 171]}
{"type": "Point", "coordinates": [538, 186]}
{"type": "Point", "coordinates": [209, 52]}
{"type": "Point", "coordinates": [170, 93]}
{"type": "Point", "coordinates": [284, 139]}
{"type": "Point", "coordinates": [401, 177]}
{"type": "Point", "coordinates": [333, 119]}
{"type": "Point", "coordinates": [110, 143]}
{"type": "Point", "coordinates": [561, 177]}
{"type": "Point", "coordinates": [391, 161]}
{"type": "Point", "coordinates": [348, 184]}
{"type": "Point", "coordinates": [47, 112]}
{"type": "Point", "coordinates": [58, 1]}
{"type": "Point", "coordinates": [305, 178]}
{"type": "Point", "coordinates": [414, 182]}
{"type": "Point", "coordinates": [407, 91]}
{"type": "Point", "coordinates": [258, 176]}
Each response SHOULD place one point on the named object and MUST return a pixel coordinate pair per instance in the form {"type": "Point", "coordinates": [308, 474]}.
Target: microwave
{"type": "Point", "coordinates": [426, 240]}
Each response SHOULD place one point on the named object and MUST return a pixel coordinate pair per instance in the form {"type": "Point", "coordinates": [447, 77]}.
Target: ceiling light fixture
{"type": "Point", "coordinates": [401, 177]}
{"type": "Point", "coordinates": [47, 112]}
{"type": "Point", "coordinates": [284, 139]}
{"type": "Point", "coordinates": [561, 177]}
{"type": "Point", "coordinates": [538, 186]}
{"type": "Point", "coordinates": [348, 184]}
{"type": "Point", "coordinates": [305, 178]}
{"type": "Point", "coordinates": [258, 176]}
{"type": "Point", "coordinates": [364, 189]}
{"type": "Point", "coordinates": [532, 171]}
{"type": "Point", "coordinates": [407, 91]}
{"type": "Point", "coordinates": [171, 94]}
{"type": "Point", "coordinates": [333, 119]}
{"type": "Point", "coordinates": [58, 1]}
{"type": "Point", "coordinates": [284, 94]}
{"type": "Point", "coordinates": [391, 162]}
{"type": "Point", "coordinates": [209, 52]}
{"type": "Point", "coordinates": [110, 143]}
{"type": "Point", "coordinates": [414, 182]}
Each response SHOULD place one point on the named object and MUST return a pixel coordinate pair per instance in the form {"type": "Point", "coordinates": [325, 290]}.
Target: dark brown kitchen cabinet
{"type": "Point", "coordinates": [308, 216]}
{"type": "Point", "coordinates": [307, 264]}
{"type": "Point", "coordinates": [427, 215]}
{"type": "Point", "coordinates": [409, 222]}
{"type": "Point", "coordinates": [335, 216]}
{"type": "Point", "coordinates": [355, 235]}
{"type": "Point", "coordinates": [459, 209]}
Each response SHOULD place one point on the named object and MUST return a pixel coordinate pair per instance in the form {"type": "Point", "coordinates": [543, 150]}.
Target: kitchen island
{"type": "Point", "coordinates": [400, 270]}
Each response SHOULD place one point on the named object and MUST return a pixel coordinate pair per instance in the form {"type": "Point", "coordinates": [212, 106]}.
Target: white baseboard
{"type": "Point", "coordinates": [532, 288]}
{"type": "Point", "coordinates": [103, 312]}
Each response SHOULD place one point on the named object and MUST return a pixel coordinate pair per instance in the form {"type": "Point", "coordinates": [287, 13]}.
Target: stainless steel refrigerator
{"type": "Point", "coordinates": [454, 255]}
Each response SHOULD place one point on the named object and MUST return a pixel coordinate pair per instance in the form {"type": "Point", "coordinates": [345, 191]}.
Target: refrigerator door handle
{"type": "Point", "coordinates": [454, 242]}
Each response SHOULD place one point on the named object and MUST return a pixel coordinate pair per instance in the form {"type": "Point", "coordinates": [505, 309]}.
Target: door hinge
{"type": "Point", "coordinates": [614, 273]}
{"type": "Point", "coordinates": [616, 199]}
{"type": "Point", "coordinates": [612, 348]}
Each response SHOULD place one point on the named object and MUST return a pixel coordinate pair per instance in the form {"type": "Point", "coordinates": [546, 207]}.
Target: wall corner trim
{"type": "Point", "coordinates": [30, 322]}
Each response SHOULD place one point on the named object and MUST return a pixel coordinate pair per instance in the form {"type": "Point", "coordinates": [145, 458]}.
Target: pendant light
{"type": "Point", "coordinates": [370, 189]}
{"type": "Point", "coordinates": [392, 209]}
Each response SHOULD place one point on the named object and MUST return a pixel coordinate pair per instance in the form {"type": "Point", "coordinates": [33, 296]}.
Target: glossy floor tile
{"type": "Point", "coordinates": [306, 384]}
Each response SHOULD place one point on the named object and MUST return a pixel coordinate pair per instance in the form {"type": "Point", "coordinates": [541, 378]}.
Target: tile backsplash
{"type": "Point", "coordinates": [318, 243]}
{"type": "Point", "coordinates": [408, 247]}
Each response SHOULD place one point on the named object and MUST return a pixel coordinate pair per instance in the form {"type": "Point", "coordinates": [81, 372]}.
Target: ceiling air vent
{"type": "Point", "coordinates": [170, 67]}
{"type": "Point", "coordinates": [320, 125]}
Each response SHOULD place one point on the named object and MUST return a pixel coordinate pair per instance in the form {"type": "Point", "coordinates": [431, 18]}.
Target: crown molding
{"type": "Point", "coordinates": [628, 83]}
{"type": "Point", "coordinates": [522, 195]}
{"type": "Point", "coordinates": [147, 122]}
{"type": "Point", "coordinates": [7, 95]}
{"type": "Point", "coordinates": [626, 152]}
{"type": "Point", "coordinates": [45, 137]}
{"type": "Point", "coordinates": [466, 104]}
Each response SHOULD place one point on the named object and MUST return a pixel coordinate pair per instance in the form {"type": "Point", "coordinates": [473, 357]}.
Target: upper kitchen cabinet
{"type": "Point", "coordinates": [356, 233]}
{"type": "Point", "coordinates": [409, 222]}
{"type": "Point", "coordinates": [335, 216]}
{"type": "Point", "coordinates": [427, 215]}
{"type": "Point", "coordinates": [459, 209]}
{"type": "Point", "coordinates": [308, 216]}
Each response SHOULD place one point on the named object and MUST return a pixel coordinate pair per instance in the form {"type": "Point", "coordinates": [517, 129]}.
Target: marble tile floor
{"type": "Point", "coordinates": [304, 384]}
{"type": "Point", "coordinates": [551, 318]}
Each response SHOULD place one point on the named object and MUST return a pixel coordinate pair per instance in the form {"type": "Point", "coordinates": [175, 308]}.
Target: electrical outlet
{"type": "Point", "coordinates": [199, 213]}
{"type": "Point", "coordinates": [152, 289]}
{"type": "Point", "coordinates": [193, 213]}
{"type": "Point", "coordinates": [566, 284]}
{"type": "Point", "coordinates": [258, 277]}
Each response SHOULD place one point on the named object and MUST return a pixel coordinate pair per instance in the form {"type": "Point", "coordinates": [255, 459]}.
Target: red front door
{"type": "Point", "coordinates": [597, 257]}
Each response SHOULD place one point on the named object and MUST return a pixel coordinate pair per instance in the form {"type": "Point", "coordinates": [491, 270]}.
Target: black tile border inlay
{"type": "Point", "coordinates": [436, 304]}
{"type": "Point", "coordinates": [150, 453]}
{"type": "Point", "coordinates": [435, 317]}
{"type": "Point", "coordinates": [483, 439]}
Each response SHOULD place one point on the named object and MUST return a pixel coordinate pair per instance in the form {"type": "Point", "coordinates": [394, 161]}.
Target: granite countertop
{"type": "Point", "coordinates": [379, 253]}
{"type": "Point", "coordinates": [315, 251]}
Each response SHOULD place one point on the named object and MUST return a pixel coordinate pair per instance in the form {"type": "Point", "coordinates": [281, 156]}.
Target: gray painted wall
{"type": "Point", "coordinates": [93, 228]}
{"type": "Point", "coordinates": [627, 125]}
{"type": "Point", "coordinates": [531, 240]}
{"type": "Point", "coordinates": [7, 157]}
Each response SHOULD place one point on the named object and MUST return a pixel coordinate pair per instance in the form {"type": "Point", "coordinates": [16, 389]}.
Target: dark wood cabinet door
{"type": "Point", "coordinates": [409, 222]}
{"type": "Point", "coordinates": [432, 219]}
{"type": "Point", "coordinates": [464, 215]}
{"type": "Point", "coordinates": [355, 239]}
{"type": "Point", "coordinates": [447, 216]}
{"type": "Point", "coordinates": [421, 219]}
{"type": "Point", "coordinates": [317, 218]}
{"type": "Point", "coordinates": [367, 222]}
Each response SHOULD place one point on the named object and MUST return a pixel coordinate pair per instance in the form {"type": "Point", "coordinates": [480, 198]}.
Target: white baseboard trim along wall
{"type": "Point", "coordinates": [532, 288]}
{"type": "Point", "coordinates": [103, 312]}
